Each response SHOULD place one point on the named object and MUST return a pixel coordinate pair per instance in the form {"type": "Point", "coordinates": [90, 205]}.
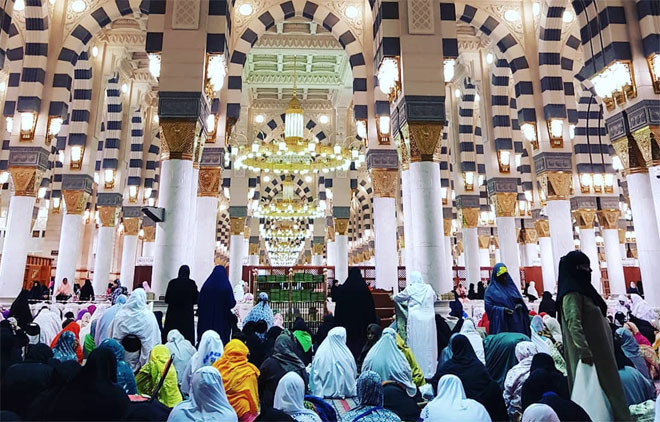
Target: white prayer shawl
{"type": "Point", "coordinates": [470, 331]}
{"type": "Point", "coordinates": [531, 289]}
{"type": "Point", "coordinates": [420, 328]}
{"type": "Point", "coordinates": [290, 397]}
{"type": "Point", "coordinates": [543, 345]}
{"type": "Point", "coordinates": [104, 326]}
{"type": "Point", "coordinates": [385, 359]}
{"type": "Point", "coordinates": [208, 400]}
{"type": "Point", "coordinates": [517, 376]}
{"type": "Point", "coordinates": [539, 412]}
{"type": "Point", "coordinates": [642, 310]}
{"type": "Point", "coordinates": [210, 350]}
{"type": "Point", "coordinates": [49, 323]}
{"type": "Point", "coordinates": [333, 371]}
{"type": "Point", "coordinates": [182, 350]}
{"type": "Point", "coordinates": [137, 319]}
{"type": "Point", "coordinates": [450, 404]}
{"type": "Point", "coordinates": [554, 327]}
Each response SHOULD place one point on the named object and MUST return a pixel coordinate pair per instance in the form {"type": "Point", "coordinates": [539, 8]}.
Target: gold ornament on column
{"type": "Point", "coordinates": [253, 249]}
{"type": "Point", "coordinates": [341, 226]}
{"type": "Point", "coordinates": [632, 158]}
{"type": "Point", "coordinates": [542, 228]}
{"type": "Point", "coordinates": [585, 218]}
{"type": "Point", "coordinates": [149, 233]}
{"type": "Point", "coordinates": [208, 182]}
{"type": "Point", "coordinates": [177, 138]}
{"type": "Point", "coordinates": [446, 226]}
{"type": "Point", "coordinates": [484, 241]}
{"type": "Point", "coordinates": [331, 235]}
{"type": "Point", "coordinates": [75, 201]}
{"type": "Point", "coordinates": [385, 182]}
{"type": "Point", "coordinates": [529, 235]}
{"type": "Point", "coordinates": [647, 141]}
{"type": "Point", "coordinates": [236, 225]}
{"type": "Point", "coordinates": [609, 219]}
{"type": "Point", "coordinates": [622, 236]}
{"type": "Point", "coordinates": [425, 139]}
{"type": "Point", "coordinates": [469, 217]}
{"type": "Point", "coordinates": [108, 215]}
{"type": "Point", "coordinates": [318, 248]}
{"type": "Point", "coordinates": [26, 180]}
{"type": "Point", "coordinates": [556, 185]}
{"type": "Point", "coordinates": [505, 203]}
{"type": "Point", "coordinates": [131, 226]}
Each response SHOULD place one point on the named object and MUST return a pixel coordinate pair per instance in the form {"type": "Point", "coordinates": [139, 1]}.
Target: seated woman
{"type": "Point", "coordinates": [240, 380]}
{"type": "Point", "coordinates": [500, 351]}
{"type": "Point", "coordinates": [290, 398]}
{"type": "Point", "coordinates": [645, 349]}
{"type": "Point", "coordinates": [282, 361]}
{"type": "Point", "coordinates": [545, 342]}
{"type": "Point", "coordinates": [303, 340]}
{"type": "Point", "coordinates": [333, 371]}
{"type": "Point", "coordinates": [386, 360]}
{"type": "Point", "coordinates": [370, 401]}
{"type": "Point", "coordinates": [374, 332]}
{"type": "Point", "coordinates": [631, 351]}
{"type": "Point", "coordinates": [125, 376]}
{"type": "Point", "coordinates": [517, 376]}
{"type": "Point", "coordinates": [450, 404]}
{"type": "Point", "coordinates": [475, 378]}
{"type": "Point", "coordinates": [417, 374]}
{"type": "Point", "coordinates": [66, 347]}
{"type": "Point", "coordinates": [207, 401]}
{"type": "Point", "coordinates": [637, 388]}
{"type": "Point", "coordinates": [549, 389]}
{"type": "Point", "coordinates": [150, 374]}
{"type": "Point", "coordinates": [73, 327]}
{"type": "Point", "coordinates": [532, 393]}
{"type": "Point", "coordinates": [181, 349]}
{"type": "Point", "coordinates": [470, 331]}
{"type": "Point", "coordinates": [210, 349]}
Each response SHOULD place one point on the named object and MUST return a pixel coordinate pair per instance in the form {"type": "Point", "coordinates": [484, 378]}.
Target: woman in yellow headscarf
{"type": "Point", "coordinates": [149, 375]}
{"type": "Point", "coordinates": [240, 380]}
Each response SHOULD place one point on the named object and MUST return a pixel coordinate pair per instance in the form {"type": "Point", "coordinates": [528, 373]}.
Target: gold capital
{"type": "Point", "coordinates": [556, 184]}
{"type": "Point", "coordinates": [385, 182]}
{"type": "Point", "coordinates": [628, 150]}
{"type": "Point", "coordinates": [644, 138]}
{"type": "Point", "coordinates": [484, 241]}
{"type": "Point", "coordinates": [446, 226]}
{"type": "Point", "coordinates": [253, 249]}
{"type": "Point", "coordinates": [341, 226]}
{"type": "Point", "coordinates": [505, 203]}
{"type": "Point", "coordinates": [108, 215]}
{"type": "Point", "coordinates": [208, 182]}
{"type": "Point", "coordinates": [178, 138]}
{"type": "Point", "coordinates": [529, 235]}
{"type": "Point", "coordinates": [470, 217]}
{"type": "Point", "coordinates": [75, 201]}
{"type": "Point", "coordinates": [26, 180]}
{"type": "Point", "coordinates": [131, 226]}
{"type": "Point", "coordinates": [425, 141]}
{"type": "Point", "coordinates": [149, 233]}
{"type": "Point", "coordinates": [542, 228]}
{"type": "Point", "coordinates": [622, 236]}
{"type": "Point", "coordinates": [609, 219]}
{"type": "Point", "coordinates": [317, 248]}
{"type": "Point", "coordinates": [585, 218]}
{"type": "Point", "coordinates": [236, 225]}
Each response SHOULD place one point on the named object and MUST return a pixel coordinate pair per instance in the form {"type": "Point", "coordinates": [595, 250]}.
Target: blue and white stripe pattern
{"type": "Point", "coordinates": [113, 119]}
{"type": "Point", "coordinates": [57, 169]}
{"type": "Point", "coordinates": [36, 56]}
{"type": "Point", "coordinates": [6, 10]}
{"type": "Point", "coordinates": [15, 50]}
{"type": "Point", "coordinates": [82, 101]}
{"type": "Point", "coordinates": [648, 14]}
{"type": "Point", "coordinates": [466, 149]}
{"type": "Point", "coordinates": [500, 106]}
{"type": "Point", "coordinates": [99, 148]}
{"type": "Point", "coordinates": [152, 167]}
{"type": "Point", "coordinates": [552, 84]}
{"type": "Point", "coordinates": [272, 188]}
{"type": "Point", "coordinates": [137, 140]}
{"type": "Point", "coordinates": [591, 146]}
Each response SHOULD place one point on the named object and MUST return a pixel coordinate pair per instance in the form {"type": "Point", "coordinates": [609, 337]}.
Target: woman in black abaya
{"type": "Point", "coordinates": [20, 309]}
{"type": "Point", "coordinates": [181, 297]}
{"type": "Point", "coordinates": [355, 310]}
{"type": "Point", "coordinates": [216, 300]}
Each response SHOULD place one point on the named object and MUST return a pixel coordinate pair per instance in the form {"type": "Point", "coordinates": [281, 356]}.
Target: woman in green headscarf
{"type": "Point", "coordinates": [304, 339]}
{"type": "Point", "coordinates": [149, 375]}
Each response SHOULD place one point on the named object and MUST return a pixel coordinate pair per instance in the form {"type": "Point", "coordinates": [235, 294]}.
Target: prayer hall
{"type": "Point", "coordinates": [330, 210]}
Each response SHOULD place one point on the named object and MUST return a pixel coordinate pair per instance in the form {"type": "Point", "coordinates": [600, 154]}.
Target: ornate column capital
{"type": "Point", "coordinates": [317, 248]}
{"type": "Point", "coordinates": [529, 235]}
{"type": "Point", "coordinates": [149, 233]}
{"type": "Point", "coordinates": [131, 226]}
{"type": "Point", "coordinates": [585, 218]}
{"type": "Point", "coordinates": [542, 228]}
{"type": "Point", "coordinates": [484, 241]}
{"type": "Point", "coordinates": [253, 249]}
{"type": "Point", "coordinates": [236, 225]}
{"type": "Point", "coordinates": [75, 201]}
{"type": "Point", "coordinates": [446, 226]}
{"type": "Point", "coordinates": [648, 142]}
{"type": "Point", "coordinates": [26, 180]}
{"type": "Point", "coordinates": [108, 215]}
{"type": "Point", "coordinates": [469, 217]}
{"type": "Point", "coordinates": [178, 138]}
{"type": "Point", "coordinates": [208, 182]}
{"type": "Point", "coordinates": [609, 219]}
{"type": "Point", "coordinates": [385, 182]}
{"type": "Point", "coordinates": [505, 203]}
{"type": "Point", "coordinates": [425, 140]}
{"type": "Point", "coordinates": [629, 152]}
{"type": "Point", "coordinates": [341, 226]}
{"type": "Point", "coordinates": [557, 185]}
{"type": "Point", "coordinates": [622, 236]}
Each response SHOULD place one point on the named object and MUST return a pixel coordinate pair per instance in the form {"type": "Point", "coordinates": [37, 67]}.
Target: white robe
{"type": "Point", "coordinates": [210, 350]}
{"type": "Point", "coordinates": [385, 359]}
{"type": "Point", "coordinates": [420, 329]}
{"type": "Point", "coordinates": [450, 404]}
{"type": "Point", "coordinates": [50, 325]}
{"type": "Point", "coordinates": [182, 350]}
{"type": "Point", "coordinates": [539, 412]}
{"type": "Point", "coordinates": [470, 331]}
{"type": "Point", "coordinates": [290, 398]}
{"type": "Point", "coordinates": [208, 400]}
{"type": "Point", "coordinates": [334, 370]}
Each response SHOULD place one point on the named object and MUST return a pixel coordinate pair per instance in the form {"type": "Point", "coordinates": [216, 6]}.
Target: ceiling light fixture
{"type": "Point", "coordinates": [489, 58]}
{"type": "Point", "coordinates": [511, 15]}
{"type": "Point", "coordinates": [19, 5]}
{"type": "Point", "coordinates": [352, 12]}
{"type": "Point", "coordinates": [245, 9]}
{"type": "Point", "coordinates": [78, 6]}
{"type": "Point", "coordinates": [95, 51]}
{"type": "Point", "coordinates": [324, 119]}
{"type": "Point", "coordinates": [536, 9]}
{"type": "Point", "coordinates": [154, 65]}
{"type": "Point", "coordinates": [259, 118]}
{"type": "Point", "coordinates": [567, 16]}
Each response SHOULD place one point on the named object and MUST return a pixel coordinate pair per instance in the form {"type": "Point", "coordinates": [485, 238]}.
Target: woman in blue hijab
{"type": "Point", "coordinates": [216, 300]}
{"type": "Point", "coordinates": [125, 377]}
{"type": "Point", "coordinates": [504, 304]}
{"type": "Point", "coordinates": [261, 311]}
{"type": "Point", "coordinates": [65, 349]}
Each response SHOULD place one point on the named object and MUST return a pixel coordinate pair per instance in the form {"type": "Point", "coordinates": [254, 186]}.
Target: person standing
{"type": "Point", "coordinates": [181, 297]}
{"type": "Point", "coordinates": [421, 333]}
{"type": "Point", "coordinates": [585, 330]}
{"type": "Point", "coordinates": [87, 291]}
{"type": "Point", "coordinates": [216, 300]}
{"type": "Point", "coordinates": [504, 304]}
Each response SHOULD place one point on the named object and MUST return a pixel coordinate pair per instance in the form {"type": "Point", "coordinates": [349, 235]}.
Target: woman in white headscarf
{"type": "Point", "coordinates": [450, 404]}
{"type": "Point", "coordinates": [469, 330]}
{"type": "Point", "coordinates": [137, 319]}
{"type": "Point", "coordinates": [545, 343]}
{"type": "Point", "coordinates": [208, 401]}
{"type": "Point", "coordinates": [104, 325]}
{"type": "Point", "coordinates": [516, 377]}
{"type": "Point", "coordinates": [334, 370]}
{"type": "Point", "coordinates": [553, 326]}
{"type": "Point", "coordinates": [290, 399]}
{"type": "Point", "coordinates": [421, 333]}
{"type": "Point", "coordinates": [49, 323]}
{"type": "Point", "coordinates": [181, 349]}
{"type": "Point", "coordinates": [385, 359]}
{"type": "Point", "coordinates": [642, 310]}
{"type": "Point", "coordinates": [210, 349]}
{"type": "Point", "coordinates": [539, 412]}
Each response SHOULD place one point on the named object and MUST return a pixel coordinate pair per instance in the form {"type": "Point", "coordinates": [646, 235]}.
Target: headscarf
{"type": "Point", "coordinates": [284, 354]}
{"type": "Point", "coordinates": [210, 349]}
{"type": "Point", "coordinates": [125, 377]}
{"type": "Point", "coordinates": [207, 402]}
{"type": "Point", "coordinates": [322, 332]}
{"type": "Point", "coordinates": [216, 299]}
{"type": "Point", "coordinates": [150, 374]}
{"type": "Point", "coordinates": [181, 349]}
{"type": "Point", "coordinates": [374, 333]}
{"type": "Point", "coordinates": [516, 377]}
{"type": "Point", "coordinates": [278, 320]}
{"type": "Point", "coordinates": [505, 295]}
{"type": "Point", "coordinates": [20, 309]}
{"type": "Point", "coordinates": [631, 350]}
{"type": "Point", "coordinates": [49, 325]}
{"type": "Point", "coordinates": [239, 378]}
{"type": "Point", "coordinates": [550, 377]}
{"type": "Point", "coordinates": [539, 412]}
{"type": "Point", "coordinates": [290, 397]}
{"type": "Point", "coordinates": [451, 404]}
{"type": "Point", "coordinates": [117, 291]}
{"type": "Point", "coordinates": [333, 368]}
{"type": "Point", "coordinates": [105, 322]}
{"type": "Point", "coordinates": [469, 331]}
{"type": "Point", "coordinates": [75, 329]}
{"type": "Point", "coordinates": [137, 319]}
{"type": "Point", "coordinates": [547, 304]}
{"type": "Point", "coordinates": [573, 280]}
{"type": "Point", "coordinates": [81, 314]}
{"type": "Point", "coordinates": [239, 292]}
{"type": "Point", "coordinates": [500, 354]}
{"type": "Point", "coordinates": [64, 349]}
{"type": "Point", "coordinates": [35, 291]}
{"type": "Point", "coordinates": [456, 307]}
{"type": "Point", "coordinates": [554, 327]}
{"type": "Point", "coordinates": [641, 309]}
{"type": "Point", "coordinates": [481, 290]}
{"type": "Point", "coordinates": [386, 360]}
{"type": "Point", "coordinates": [302, 334]}
{"type": "Point", "coordinates": [539, 341]}
{"type": "Point", "coordinates": [639, 337]}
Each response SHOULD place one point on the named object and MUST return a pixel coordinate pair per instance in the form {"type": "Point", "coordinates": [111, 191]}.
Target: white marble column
{"type": "Point", "coordinates": [449, 259]}
{"type": "Point", "coordinates": [384, 209]}
{"type": "Point", "coordinates": [253, 260]}
{"type": "Point", "coordinates": [407, 223]}
{"type": "Point", "coordinates": [105, 244]}
{"type": "Point", "coordinates": [589, 247]}
{"type": "Point", "coordinates": [204, 256]}
{"type": "Point", "coordinates": [561, 228]}
{"type": "Point", "coordinates": [317, 260]}
{"type": "Point", "coordinates": [498, 255]}
{"type": "Point", "coordinates": [15, 247]}
{"type": "Point", "coordinates": [332, 253]}
{"type": "Point", "coordinates": [547, 264]}
{"type": "Point", "coordinates": [484, 257]}
{"type": "Point", "coordinates": [193, 222]}
{"type": "Point", "coordinates": [427, 224]}
{"type": "Point", "coordinates": [128, 256]}
{"type": "Point", "coordinates": [341, 258]}
{"type": "Point", "coordinates": [70, 246]}
{"type": "Point", "coordinates": [614, 259]}
{"type": "Point", "coordinates": [172, 235]}
{"type": "Point", "coordinates": [654, 181]}
{"type": "Point", "coordinates": [508, 241]}
{"type": "Point", "coordinates": [531, 253]}
{"type": "Point", "coordinates": [646, 233]}
{"type": "Point", "coordinates": [237, 254]}
{"type": "Point", "coordinates": [471, 247]}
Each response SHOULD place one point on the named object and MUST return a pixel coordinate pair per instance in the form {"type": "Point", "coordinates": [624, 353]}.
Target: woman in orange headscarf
{"type": "Point", "coordinates": [75, 329]}
{"type": "Point", "coordinates": [240, 380]}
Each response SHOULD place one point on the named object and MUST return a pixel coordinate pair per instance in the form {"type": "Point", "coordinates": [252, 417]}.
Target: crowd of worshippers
{"type": "Point", "coordinates": [573, 360]}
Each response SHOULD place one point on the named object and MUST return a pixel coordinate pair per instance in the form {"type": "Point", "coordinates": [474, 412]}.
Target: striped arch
{"type": "Point", "coordinates": [77, 41]}
{"type": "Point", "coordinates": [274, 128]}
{"type": "Point", "coordinates": [36, 55]}
{"type": "Point", "coordinates": [15, 57]}
{"type": "Point", "coordinates": [552, 84]}
{"type": "Point", "coordinates": [512, 51]}
{"type": "Point", "coordinates": [152, 167]}
{"type": "Point", "coordinates": [81, 102]}
{"type": "Point", "coordinates": [137, 142]}
{"type": "Point", "coordinates": [56, 166]}
{"type": "Point", "coordinates": [301, 188]}
{"type": "Point", "coordinates": [113, 120]}
{"type": "Point", "coordinates": [286, 10]}
{"type": "Point", "coordinates": [591, 146]}
{"type": "Point", "coordinates": [500, 103]}
{"type": "Point", "coordinates": [466, 148]}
